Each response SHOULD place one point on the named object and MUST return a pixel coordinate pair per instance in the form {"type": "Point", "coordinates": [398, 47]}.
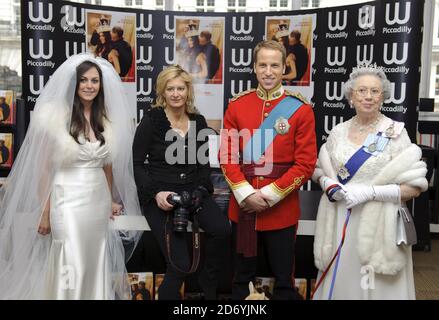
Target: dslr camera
{"type": "Point", "coordinates": [186, 204]}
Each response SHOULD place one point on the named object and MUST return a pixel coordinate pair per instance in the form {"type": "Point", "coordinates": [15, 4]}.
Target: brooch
{"type": "Point", "coordinates": [390, 130]}
{"type": "Point", "coordinates": [281, 125]}
{"type": "Point", "coordinates": [343, 173]}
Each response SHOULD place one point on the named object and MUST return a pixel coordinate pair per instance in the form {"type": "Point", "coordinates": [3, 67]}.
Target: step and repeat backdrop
{"type": "Point", "coordinates": [140, 43]}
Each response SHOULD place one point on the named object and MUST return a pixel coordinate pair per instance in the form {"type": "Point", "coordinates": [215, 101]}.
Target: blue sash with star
{"type": "Point", "coordinates": [265, 134]}
{"type": "Point", "coordinates": [372, 146]}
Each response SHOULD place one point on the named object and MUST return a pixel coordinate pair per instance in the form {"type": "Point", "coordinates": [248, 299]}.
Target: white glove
{"type": "Point", "coordinates": [388, 193]}
{"type": "Point", "coordinates": [325, 182]}
{"type": "Point", "coordinates": [358, 194]}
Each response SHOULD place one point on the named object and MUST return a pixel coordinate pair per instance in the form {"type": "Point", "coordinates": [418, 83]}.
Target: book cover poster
{"type": "Point", "coordinates": [6, 151]}
{"type": "Point", "coordinates": [295, 33]}
{"type": "Point", "coordinates": [7, 107]}
{"type": "Point", "coordinates": [158, 279]}
{"type": "Point", "coordinates": [266, 285]}
{"type": "Point", "coordinates": [199, 49]}
{"type": "Point", "coordinates": [141, 285]}
{"type": "Point", "coordinates": [301, 286]}
{"type": "Point", "coordinates": [312, 286]}
{"type": "Point", "coordinates": [112, 35]}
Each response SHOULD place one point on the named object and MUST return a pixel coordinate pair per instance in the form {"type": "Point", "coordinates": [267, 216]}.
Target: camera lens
{"type": "Point", "coordinates": [180, 220]}
{"type": "Point", "coordinates": [174, 199]}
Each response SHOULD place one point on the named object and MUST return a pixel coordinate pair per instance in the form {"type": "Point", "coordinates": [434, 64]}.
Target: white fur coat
{"type": "Point", "coordinates": [52, 126]}
{"type": "Point", "coordinates": [377, 229]}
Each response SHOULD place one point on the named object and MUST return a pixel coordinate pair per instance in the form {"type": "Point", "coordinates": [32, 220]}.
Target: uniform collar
{"type": "Point", "coordinates": [270, 95]}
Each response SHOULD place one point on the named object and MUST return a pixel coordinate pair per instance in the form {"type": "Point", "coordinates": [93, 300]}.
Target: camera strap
{"type": "Point", "coordinates": [195, 244]}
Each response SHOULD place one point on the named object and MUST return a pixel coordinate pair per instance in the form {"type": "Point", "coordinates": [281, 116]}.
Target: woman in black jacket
{"type": "Point", "coordinates": [170, 154]}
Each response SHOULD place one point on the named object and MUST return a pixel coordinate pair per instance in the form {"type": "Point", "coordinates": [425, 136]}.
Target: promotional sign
{"type": "Point", "coordinates": [323, 45]}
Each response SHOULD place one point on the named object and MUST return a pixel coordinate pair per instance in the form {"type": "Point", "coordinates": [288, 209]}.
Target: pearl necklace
{"type": "Point", "coordinates": [368, 127]}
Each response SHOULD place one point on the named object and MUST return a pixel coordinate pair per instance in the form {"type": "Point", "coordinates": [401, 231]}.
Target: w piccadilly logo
{"type": "Point", "coordinates": [242, 28]}
{"type": "Point", "coordinates": [71, 17]}
{"type": "Point", "coordinates": [362, 55]}
{"type": "Point", "coordinates": [72, 48]}
{"type": "Point", "coordinates": [337, 91]}
{"type": "Point", "coordinates": [167, 54]}
{"type": "Point", "coordinates": [35, 88]}
{"type": "Point", "coordinates": [167, 27]}
{"type": "Point", "coordinates": [402, 94]}
{"type": "Point", "coordinates": [394, 53]}
{"type": "Point", "coordinates": [44, 14]}
{"type": "Point", "coordinates": [233, 90]}
{"type": "Point", "coordinates": [338, 60]}
{"type": "Point", "coordinates": [328, 127]}
{"type": "Point", "coordinates": [242, 61]}
{"type": "Point", "coordinates": [148, 90]}
{"type": "Point", "coordinates": [338, 23]}
{"type": "Point", "coordinates": [40, 52]}
{"type": "Point", "coordinates": [141, 24]}
{"type": "Point", "coordinates": [366, 17]}
{"type": "Point", "coordinates": [397, 17]}
{"type": "Point", "coordinates": [142, 58]}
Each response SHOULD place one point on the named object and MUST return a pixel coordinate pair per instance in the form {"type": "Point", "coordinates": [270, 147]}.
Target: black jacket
{"type": "Point", "coordinates": [152, 172]}
{"type": "Point", "coordinates": [125, 56]}
{"type": "Point", "coordinates": [301, 53]}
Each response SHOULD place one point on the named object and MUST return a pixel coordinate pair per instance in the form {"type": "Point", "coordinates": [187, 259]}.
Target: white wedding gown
{"type": "Point", "coordinates": [80, 208]}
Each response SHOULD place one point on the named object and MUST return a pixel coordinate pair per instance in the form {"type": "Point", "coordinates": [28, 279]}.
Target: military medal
{"type": "Point", "coordinates": [343, 173]}
{"type": "Point", "coordinates": [281, 125]}
{"type": "Point", "coordinates": [372, 147]}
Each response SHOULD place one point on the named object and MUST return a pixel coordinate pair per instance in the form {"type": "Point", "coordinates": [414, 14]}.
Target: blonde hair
{"type": "Point", "coordinates": [270, 44]}
{"type": "Point", "coordinates": [170, 73]}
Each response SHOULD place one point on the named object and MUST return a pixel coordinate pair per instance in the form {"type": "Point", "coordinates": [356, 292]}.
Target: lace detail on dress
{"type": "Point", "coordinates": [340, 149]}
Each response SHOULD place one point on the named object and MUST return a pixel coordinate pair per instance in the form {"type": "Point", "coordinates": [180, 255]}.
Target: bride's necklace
{"type": "Point", "coordinates": [368, 127]}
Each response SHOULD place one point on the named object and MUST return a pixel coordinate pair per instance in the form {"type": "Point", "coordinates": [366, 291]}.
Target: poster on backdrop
{"type": "Point", "coordinates": [296, 34]}
{"type": "Point", "coordinates": [334, 40]}
{"type": "Point", "coordinates": [199, 49]}
{"type": "Point", "coordinates": [7, 107]}
{"type": "Point", "coordinates": [112, 35]}
{"type": "Point", "coordinates": [6, 150]}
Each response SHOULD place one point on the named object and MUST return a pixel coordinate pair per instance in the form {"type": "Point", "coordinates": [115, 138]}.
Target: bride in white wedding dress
{"type": "Point", "coordinates": [72, 176]}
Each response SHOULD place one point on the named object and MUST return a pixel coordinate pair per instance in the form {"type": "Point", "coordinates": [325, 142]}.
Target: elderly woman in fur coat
{"type": "Point", "coordinates": [367, 168]}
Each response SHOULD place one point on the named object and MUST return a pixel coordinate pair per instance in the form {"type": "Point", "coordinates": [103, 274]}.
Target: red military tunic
{"type": "Point", "coordinates": [296, 147]}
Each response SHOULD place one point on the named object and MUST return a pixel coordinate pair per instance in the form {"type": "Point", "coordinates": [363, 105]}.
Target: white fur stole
{"type": "Point", "coordinates": [377, 228]}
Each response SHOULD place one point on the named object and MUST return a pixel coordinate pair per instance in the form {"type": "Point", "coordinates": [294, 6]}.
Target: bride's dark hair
{"type": "Point", "coordinates": [98, 113]}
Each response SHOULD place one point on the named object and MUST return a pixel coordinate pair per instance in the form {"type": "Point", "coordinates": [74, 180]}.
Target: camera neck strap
{"type": "Point", "coordinates": [195, 244]}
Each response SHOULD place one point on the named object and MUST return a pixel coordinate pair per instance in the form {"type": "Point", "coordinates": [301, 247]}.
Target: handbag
{"type": "Point", "coordinates": [405, 227]}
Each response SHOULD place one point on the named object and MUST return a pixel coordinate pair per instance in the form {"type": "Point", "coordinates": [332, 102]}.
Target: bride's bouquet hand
{"type": "Point", "coordinates": [44, 227]}
{"type": "Point", "coordinates": [116, 210]}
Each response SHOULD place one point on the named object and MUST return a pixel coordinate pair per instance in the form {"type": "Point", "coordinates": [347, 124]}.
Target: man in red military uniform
{"type": "Point", "coordinates": [268, 151]}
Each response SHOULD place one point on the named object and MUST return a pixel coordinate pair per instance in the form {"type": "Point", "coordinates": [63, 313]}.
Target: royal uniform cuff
{"type": "Point", "coordinates": [243, 192]}
{"type": "Point", "coordinates": [270, 191]}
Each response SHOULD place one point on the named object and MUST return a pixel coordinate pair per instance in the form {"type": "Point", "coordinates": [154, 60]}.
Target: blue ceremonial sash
{"type": "Point", "coordinates": [354, 163]}
{"type": "Point", "coordinates": [265, 134]}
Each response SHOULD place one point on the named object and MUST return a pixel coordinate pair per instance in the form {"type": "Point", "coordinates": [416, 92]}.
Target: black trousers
{"type": "Point", "coordinates": [217, 229]}
{"type": "Point", "coordinates": [279, 248]}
